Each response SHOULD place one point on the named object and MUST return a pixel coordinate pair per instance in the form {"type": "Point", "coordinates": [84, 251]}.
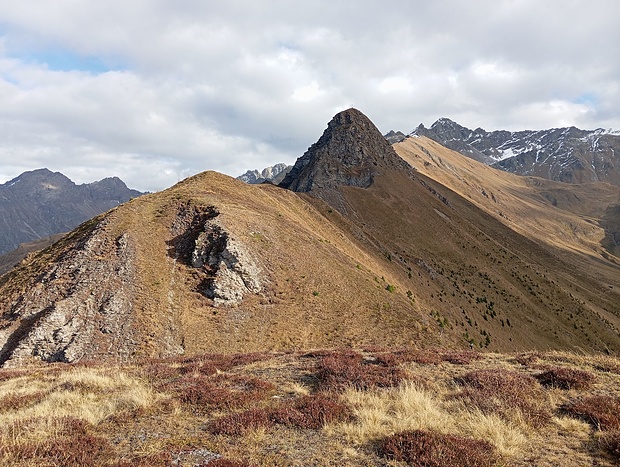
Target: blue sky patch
{"type": "Point", "coordinates": [64, 60]}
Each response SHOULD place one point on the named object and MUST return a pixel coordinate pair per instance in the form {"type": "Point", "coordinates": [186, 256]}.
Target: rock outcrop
{"type": "Point", "coordinates": [82, 304]}
{"type": "Point", "coordinates": [274, 174]}
{"type": "Point", "coordinates": [79, 307]}
{"type": "Point", "coordinates": [394, 137]}
{"type": "Point", "coordinates": [226, 269]}
{"type": "Point", "coordinates": [351, 152]}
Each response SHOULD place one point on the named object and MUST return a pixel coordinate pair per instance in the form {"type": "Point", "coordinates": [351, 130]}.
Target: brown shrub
{"type": "Point", "coordinates": [462, 357]}
{"type": "Point", "coordinates": [502, 391]}
{"type": "Point", "coordinates": [221, 462]}
{"type": "Point", "coordinates": [609, 367]}
{"type": "Point", "coordinates": [610, 442]}
{"type": "Point", "coordinates": [209, 364]}
{"type": "Point", "coordinates": [157, 370]}
{"type": "Point", "coordinates": [396, 357]}
{"type": "Point", "coordinates": [339, 370]}
{"type": "Point", "coordinates": [566, 378]}
{"type": "Point", "coordinates": [203, 396]}
{"type": "Point", "coordinates": [527, 359]}
{"type": "Point", "coordinates": [311, 412]}
{"type": "Point", "coordinates": [72, 446]}
{"type": "Point", "coordinates": [221, 391]}
{"type": "Point", "coordinates": [239, 423]}
{"type": "Point", "coordinates": [428, 449]}
{"type": "Point", "coordinates": [20, 401]}
{"type": "Point", "coordinates": [159, 459]}
{"type": "Point", "coordinates": [160, 373]}
{"type": "Point", "coordinates": [428, 357]}
{"type": "Point", "coordinates": [6, 374]}
{"type": "Point", "coordinates": [603, 412]}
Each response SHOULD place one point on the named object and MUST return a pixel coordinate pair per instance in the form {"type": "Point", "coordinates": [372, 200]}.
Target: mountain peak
{"type": "Point", "coordinates": [566, 154]}
{"type": "Point", "coordinates": [40, 203]}
{"type": "Point", "coordinates": [351, 152]}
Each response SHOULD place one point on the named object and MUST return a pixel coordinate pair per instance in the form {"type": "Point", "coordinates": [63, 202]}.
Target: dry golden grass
{"type": "Point", "coordinates": [90, 394]}
{"type": "Point", "coordinates": [278, 415]}
{"type": "Point", "coordinates": [380, 413]}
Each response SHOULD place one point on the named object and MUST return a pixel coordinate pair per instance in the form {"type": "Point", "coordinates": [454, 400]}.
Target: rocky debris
{"type": "Point", "coordinates": [274, 174]}
{"type": "Point", "coordinates": [79, 307]}
{"type": "Point", "coordinates": [351, 152]}
{"type": "Point", "coordinates": [227, 270]}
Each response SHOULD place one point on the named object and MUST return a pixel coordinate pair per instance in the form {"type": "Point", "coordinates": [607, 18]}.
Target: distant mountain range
{"type": "Point", "coordinates": [274, 174]}
{"type": "Point", "coordinates": [41, 203]}
{"type": "Point", "coordinates": [562, 154]}
{"type": "Point", "coordinates": [566, 155]}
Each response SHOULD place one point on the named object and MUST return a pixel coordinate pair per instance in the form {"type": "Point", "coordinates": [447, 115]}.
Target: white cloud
{"type": "Point", "coordinates": [307, 93]}
{"type": "Point", "coordinates": [153, 91]}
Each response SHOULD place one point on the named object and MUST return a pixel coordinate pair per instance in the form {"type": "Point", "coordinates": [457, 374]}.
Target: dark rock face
{"type": "Point", "coordinates": [561, 154]}
{"type": "Point", "coordinates": [42, 203]}
{"type": "Point", "coordinates": [351, 152]}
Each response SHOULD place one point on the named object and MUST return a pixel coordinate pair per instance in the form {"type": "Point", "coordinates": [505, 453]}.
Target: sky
{"type": "Point", "coordinates": [153, 91]}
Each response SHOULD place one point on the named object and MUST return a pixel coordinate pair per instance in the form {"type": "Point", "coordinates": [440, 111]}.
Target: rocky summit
{"type": "Point", "coordinates": [273, 174]}
{"type": "Point", "coordinates": [351, 152]}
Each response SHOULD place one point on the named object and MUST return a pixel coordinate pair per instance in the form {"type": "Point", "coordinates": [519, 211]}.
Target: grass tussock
{"type": "Point", "coordinates": [379, 413]}
{"type": "Point", "coordinates": [70, 443]}
{"type": "Point", "coordinates": [425, 448]}
{"type": "Point", "coordinates": [610, 442]}
{"type": "Point", "coordinates": [93, 393]}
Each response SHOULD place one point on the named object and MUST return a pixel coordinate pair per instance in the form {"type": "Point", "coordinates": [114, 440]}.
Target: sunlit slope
{"type": "Point", "coordinates": [567, 216]}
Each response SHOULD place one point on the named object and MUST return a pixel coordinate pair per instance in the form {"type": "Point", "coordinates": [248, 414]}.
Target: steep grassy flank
{"type": "Point", "coordinates": [412, 263]}
{"type": "Point", "coordinates": [309, 408]}
{"type": "Point", "coordinates": [565, 216]}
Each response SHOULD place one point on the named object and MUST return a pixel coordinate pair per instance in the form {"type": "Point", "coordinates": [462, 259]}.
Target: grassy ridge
{"type": "Point", "coordinates": [335, 407]}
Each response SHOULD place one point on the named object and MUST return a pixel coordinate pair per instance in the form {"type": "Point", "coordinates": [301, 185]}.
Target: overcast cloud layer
{"type": "Point", "coordinates": [153, 91]}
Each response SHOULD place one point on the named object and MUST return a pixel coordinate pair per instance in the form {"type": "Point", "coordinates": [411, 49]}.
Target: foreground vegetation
{"type": "Point", "coordinates": [332, 407]}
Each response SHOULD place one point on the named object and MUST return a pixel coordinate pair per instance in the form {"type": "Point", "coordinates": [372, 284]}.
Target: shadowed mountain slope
{"type": "Point", "coordinates": [41, 203]}
{"type": "Point", "coordinates": [366, 251]}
